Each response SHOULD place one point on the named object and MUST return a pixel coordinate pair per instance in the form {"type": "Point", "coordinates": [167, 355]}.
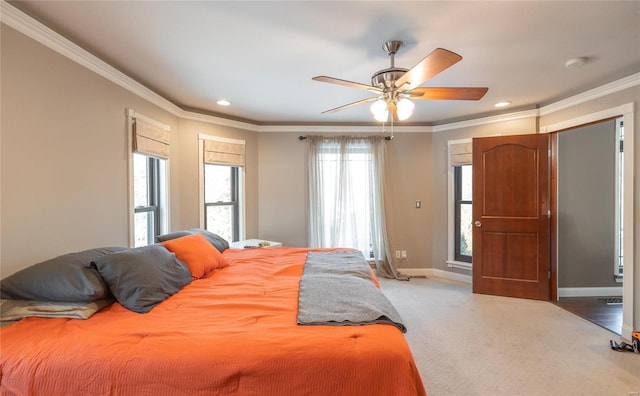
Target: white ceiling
{"type": "Point", "coordinates": [262, 55]}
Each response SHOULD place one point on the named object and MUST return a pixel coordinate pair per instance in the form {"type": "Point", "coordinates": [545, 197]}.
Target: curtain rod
{"type": "Point", "coordinates": [302, 137]}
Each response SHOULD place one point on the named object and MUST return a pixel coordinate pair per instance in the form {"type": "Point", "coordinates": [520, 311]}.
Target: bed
{"type": "Point", "coordinates": [231, 332]}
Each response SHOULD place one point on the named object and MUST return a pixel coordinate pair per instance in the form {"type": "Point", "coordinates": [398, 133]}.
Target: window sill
{"type": "Point", "coordinates": [459, 264]}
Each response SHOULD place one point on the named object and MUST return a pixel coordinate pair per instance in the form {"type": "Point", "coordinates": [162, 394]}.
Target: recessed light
{"type": "Point", "coordinates": [502, 104]}
{"type": "Point", "coordinates": [575, 62]}
{"type": "Point", "coordinates": [223, 102]}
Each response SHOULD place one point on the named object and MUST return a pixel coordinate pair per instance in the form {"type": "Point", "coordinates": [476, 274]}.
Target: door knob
{"type": "Point", "coordinates": [477, 223]}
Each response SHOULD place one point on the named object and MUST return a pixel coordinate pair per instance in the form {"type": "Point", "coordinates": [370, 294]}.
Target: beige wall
{"type": "Point", "coordinates": [410, 174]}
{"type": "Point", "coordinates": [281, 184]}
{"type": "Point", "coordinates": [64, 155]}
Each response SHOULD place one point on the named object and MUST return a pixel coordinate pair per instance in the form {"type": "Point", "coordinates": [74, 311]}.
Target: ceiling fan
{"type": "Point", "coordinates": [395, 85]}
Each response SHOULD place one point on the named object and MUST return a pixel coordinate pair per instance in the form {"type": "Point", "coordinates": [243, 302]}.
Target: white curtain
{"type": "Point", "coordinates": [346, 197]}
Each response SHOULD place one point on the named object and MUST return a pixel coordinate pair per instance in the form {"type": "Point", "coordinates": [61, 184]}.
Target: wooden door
{"type": "Point", "coordinates": [511, 233]}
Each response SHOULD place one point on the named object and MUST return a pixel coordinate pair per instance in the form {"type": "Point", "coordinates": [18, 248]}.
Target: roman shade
{"type": "Point", "coordinates": [460, 153]}
{"type": "Point", "coordinates": [220, 151]}
{"type": "Point", "coordinates": [150, 138]}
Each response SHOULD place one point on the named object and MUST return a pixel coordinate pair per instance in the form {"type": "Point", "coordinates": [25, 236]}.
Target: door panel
{"type": "Point", "coordinates": [507, 192]}
{"type": "Point", "coordinates": [511, 237]}
{"type": "Point", "coordinates": [512, 256]}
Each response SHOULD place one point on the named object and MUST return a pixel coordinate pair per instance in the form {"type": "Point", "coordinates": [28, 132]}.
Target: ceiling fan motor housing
{"type": "Point", "coordinates": [386, 78]}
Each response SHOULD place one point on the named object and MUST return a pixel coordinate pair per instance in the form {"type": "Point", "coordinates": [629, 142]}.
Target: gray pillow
{"type": "Point", "coordinates": [143, 277]}
{"type": "Point", "coordinates": [67, 278]}
{"type": "Point", "coordinates": [216, 240]}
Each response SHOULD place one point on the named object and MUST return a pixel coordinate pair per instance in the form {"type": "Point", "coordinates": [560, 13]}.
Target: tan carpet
{"type": "Point", "coordinates": [472, 344]}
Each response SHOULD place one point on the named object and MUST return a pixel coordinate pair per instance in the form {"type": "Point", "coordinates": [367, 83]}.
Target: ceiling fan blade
{"type": "Point", "coordinates": [460, 93]}
{"type": "Point", "coordinates": [347, 83]}
{"type": "Point", "coordinates": [432, 64]}
{"type": "Point", "coordinates": [350, 105]}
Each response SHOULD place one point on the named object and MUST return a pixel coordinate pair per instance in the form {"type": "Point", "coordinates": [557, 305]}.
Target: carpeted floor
{"type": "Point", "coordinates": [472, 344]}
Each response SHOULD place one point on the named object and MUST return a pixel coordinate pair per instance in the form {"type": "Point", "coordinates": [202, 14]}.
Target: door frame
{"type": "Point", "coordinates": [625, 111]}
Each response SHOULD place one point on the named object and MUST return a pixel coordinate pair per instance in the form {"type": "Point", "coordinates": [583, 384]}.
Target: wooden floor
{"type": "Point", "coordinates": [607, 316]}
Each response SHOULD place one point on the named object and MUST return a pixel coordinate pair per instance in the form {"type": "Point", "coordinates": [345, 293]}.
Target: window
{"type": "Point", "coordinates": [148, 178]}
{"type": "Point", "coordinates": [463, 213]}
{"type": "Point", "coordinates": [149, 190]}
{"type": "Point", "coordinates": [222, 163]}
{"type": "Point", "coordinates": [618, 269]}
{"type": "Point", "coordinates": [460, 192]}
{"type": "Point", "coordinates": [346, 196]}
{"type": "Point", "coordinates": [345, 193]}
{"type": "Point", "coordinates": [221, 200]}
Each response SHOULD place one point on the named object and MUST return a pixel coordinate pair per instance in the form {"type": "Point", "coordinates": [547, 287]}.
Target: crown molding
{"type": "Point", "coordinates": [595, 93]}
{"type": "Point", "coordinates": [487, 120]}
{"type": "Point", "coordinates": [30, 27]}
{"type": "Point", "coordinates": [209, 119]}
{"type": "Point", "coordinates": [345, 128]}
{"type": "Point", "coordinates": [589, 118]}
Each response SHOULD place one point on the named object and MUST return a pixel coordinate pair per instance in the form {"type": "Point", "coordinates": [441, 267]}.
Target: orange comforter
{"type": "Point", "coordinates": [232, 333]}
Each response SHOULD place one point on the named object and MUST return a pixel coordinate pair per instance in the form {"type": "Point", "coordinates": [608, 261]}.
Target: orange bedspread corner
{"type": "Point", "coordinates": [232, 333]}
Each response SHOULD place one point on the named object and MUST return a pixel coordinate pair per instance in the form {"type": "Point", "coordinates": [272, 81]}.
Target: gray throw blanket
{"type": "Point", "coordinates": [337, 288]}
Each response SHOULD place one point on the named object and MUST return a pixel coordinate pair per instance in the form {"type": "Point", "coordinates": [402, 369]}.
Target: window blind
{"type": "Point", "coordinates": [150, 139]}
{"type": "Point", "coordinates": [224, 152]}
{"type": "Point", "coordinates": [460, 153]}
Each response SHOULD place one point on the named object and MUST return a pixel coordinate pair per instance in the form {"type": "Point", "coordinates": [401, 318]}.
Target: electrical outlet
{"type": "Point", "coordinates": [404, 254]}
{"type": "Point", "coordinates": [397, 254]}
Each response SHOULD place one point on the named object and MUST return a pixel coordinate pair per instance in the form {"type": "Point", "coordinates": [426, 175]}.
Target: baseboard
{"type": "Point", "coordinates": [562, 292]}
{"type": "Point", "coordinates": [436, 273]}
{"type": "Point", "coordinates": [626, 332]}
{"type": "Point", "coordinates": [590, 291]}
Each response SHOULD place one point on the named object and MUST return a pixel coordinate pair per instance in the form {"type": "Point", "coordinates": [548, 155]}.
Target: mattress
{"type": "Point", "coordinates": [233, 332]}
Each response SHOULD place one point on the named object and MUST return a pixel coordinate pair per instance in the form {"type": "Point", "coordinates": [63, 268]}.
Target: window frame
{"type": "Point", "coordinates": [234, 202]}
{"type": "Point", "coordinates": [153, 194]}
{"type": "Point", "coordinates": [618, 265]}
{"type": "Point", "coordinates": [451, 258]}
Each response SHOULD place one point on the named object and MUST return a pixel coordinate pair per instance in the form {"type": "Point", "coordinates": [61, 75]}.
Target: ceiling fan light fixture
{"type": "Point", "coordinates": [405, 108]}
{"type": "Point", "coordinates": [380, 110]}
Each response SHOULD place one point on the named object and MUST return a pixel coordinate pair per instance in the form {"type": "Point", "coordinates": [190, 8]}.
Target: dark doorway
{"type": "Point", "coordinates": [595, 310]}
